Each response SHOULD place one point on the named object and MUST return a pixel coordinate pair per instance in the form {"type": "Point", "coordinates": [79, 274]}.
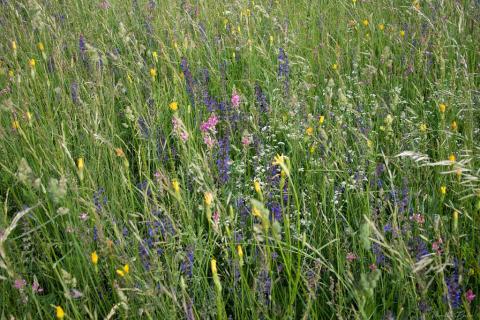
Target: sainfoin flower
{"type": "Point", "coordinates": [469, 295]}
{"type": "Point", "coordinates": [235, 99]}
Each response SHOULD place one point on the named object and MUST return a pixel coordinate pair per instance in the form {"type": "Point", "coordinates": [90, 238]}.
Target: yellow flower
{"type": "Point", "coordinates": [454, 126]}
{"type": "Point", "coordinates": [321, 120]}
{"type": "Point", "coordinates": [11, 73]}
{"type": "Point", "coordinates": [365, 22]}
{"type": "Point", "coordinates": [40, 47]}
{"type": "Point", "coordinates": [354, 1]}
{"type": "Point", "coordinates": [256, 185]}
{"type": "Point", "coordinates": [256, 212]}
{"type": "Point", "coordinates": [153, 72]}
{"type": "Point", "coordinates": [119, 152]}
{"type": "Point", "coordinates": [80, 164]}
{"type": "Point", "coordinates": [309, 131]}
{"type": "Point", "coordinates": [29, 116]}
{"type": "Point", "coordinates": [452, 157]}
{"type": "Point", "coordinates": [443, 190]}
{"type": "Point", "coordinates": [402, 33]}
{"type": "Point", "coordinates": [381, 26]}
{"type": "Point", "coordinates": [15, 124]}
{"type": "Point", "coordinates": [173, 106]}
{"type": "Point", "coordinates": [278, 160]}
{"type": "Point", "coordinates": [155, 56]}
{"type": "Point", "coordinates": [208, 196]}
{"type": "Point", "coordinates": [271, 40]}
{"type": "Point", "coordinates": [240, 251]}
{"type": "Point", "coordinates": [213, 265]}
{"type": "Point", "coordinates": [14, 45]}
{"type": "Point", "coordinates": [416, 4]}
{"type": "Point", "coordinates": [442, 107]}
{"type": "Point", "coordinates": [31, 63]}
{"type": "Point", "coordinates": [124, 271]}
{"type": "Point", "coordinates": [312, 149]}
{"type": "Point", "coordinates": [59, 312]}
{"type": "Point", "coordinates": [176, 185]}
{"type": "Point", "coordinates": [94, 257]}
{"type": "Point", "coordinates": [335, 66]}
{"type": "Point", "coordinates": [423, 127]}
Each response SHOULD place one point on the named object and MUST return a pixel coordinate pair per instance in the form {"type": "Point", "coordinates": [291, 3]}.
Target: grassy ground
{"type": "Point", "coordinates": [239, 159]}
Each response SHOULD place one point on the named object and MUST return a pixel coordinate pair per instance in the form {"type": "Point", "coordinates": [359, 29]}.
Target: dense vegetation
{"type": "Point", "coordinates": [240, 159]}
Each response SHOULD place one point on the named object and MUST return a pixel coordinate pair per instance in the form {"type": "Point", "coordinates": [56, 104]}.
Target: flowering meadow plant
{"type": "Point", "coordinates": [239, 159]}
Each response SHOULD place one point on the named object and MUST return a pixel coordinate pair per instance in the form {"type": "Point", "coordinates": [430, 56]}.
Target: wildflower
{"type": "Point", "coordinates": [235, 100]}
{"type": "Point", "coordinates": [454, 126]}
{"type": "Point", "coordinates": [240, 251]}
{"type": "Point", "coordinates": [15, 125]}
{"type": "Point", "coordinates": [256, 185]}
{"type": "Point", "coordinates": [279, 160]}
{"type": "Point", "coordinates": [208, 196]}
{"type": "Point", "coordinates": [59, 312]}
{"type": "Point", "coordinates": [213, 265]}
{"type": "Point", "coordinates": [452, 157]}
{"type": "Point", "coordinates": [321, 120]}
{"type": "Point", "coordinates": [153, 73]}
{"type": "Point", "coordinates": [246, 140]}
{"type": "Point", "coordinates": [176, 186]}
{"type": "Point", "coordinates": [40, 47]}
{"type": "Point", "coordinates": [335, 66]}
{"type": "Point", "coordinates": [442, 107]}
{"type": "Point", "coordinates": [124, 271]}
{"type": "Point", "coordinates": [36, 288]}
{"type": "Point", "coordinates": [155, 56]}
{"type": "Point", "coordinates": [381, 27]}
{"type": "Point", "coordinates": [94, 257]}
{"type": "Point", "coordinates": [309, 131]}
{"type": "Point", "coordinates": [20, 284]}
{"type": "Point", "coordinates": [271, 40]}
{"type": "Point", "coordinates": [351, 256]}
{"type": "Point", "coordinates": [11, 73]}
{"type": "Point", "coordinates": [119, 152]}
{"type": "Point", "coordinates": [443, 190]}
{"type": "Point", "coordinates": [402, 33]}
{"type": "Point", "coordinates": [256, 212]}
{"type": "Point", "coordinates": [423, 127]}
{"type": "Point", "coordinates": [80, 164]}
{"type": "Point", "coordinates": [14, 46]}
{"type": "Point", "coordinates": [469, 295]}
{"type": "Point", "coordinates": [365, 22]}
{"type": "Point", "coordinates": [173, 106]}
{"type": "Point", "coordinates": [31, 63]}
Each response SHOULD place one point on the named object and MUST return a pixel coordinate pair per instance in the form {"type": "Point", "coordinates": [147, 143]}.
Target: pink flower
{"type": "Point", "coordinates": [36, 287]}
{"type": "Point", "coordinates": [20, 283]}
{"type": "Point", "coordinates": [351, 256]}
{"type": "Point", "coordinates": [209, 141]}
{"type": "Point", "coordinates": [246, 140]}
{"type": "Point", "coordinates": [83, 216]}
{"type": "Point", "coordinates": [184, 136]}
{"type": "Point", "coordinates": [235, 99]}
{"type": "Point", "coordinates": [210, 124]}
{"type": "Point", "coordinates": [469, 295]}
{"type": "Point", "coordinates": [372, 267]}
{"type": "Point", "coordinates": [418, 218]}
{"type": "Point", "coordinates": [437, 246]}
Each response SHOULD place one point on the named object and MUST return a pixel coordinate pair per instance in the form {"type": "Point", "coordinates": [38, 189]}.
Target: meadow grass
{"type": "Point", "coordinates": [239, 159]}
